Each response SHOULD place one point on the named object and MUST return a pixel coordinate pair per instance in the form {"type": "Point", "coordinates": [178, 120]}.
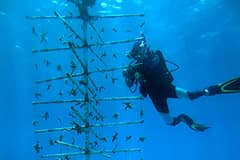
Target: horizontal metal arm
{"type": "Point", "coordinates": [91, 152]}
{"type": "Point", "coordinates": [90, 126]}
{"type": "Point", "coordinates": [90, 72]}
{"type": "Point", "coordinates": [82, 100]}
{"type": "Point", "coordinates": [80, 148]}
{"type": "Point", "coordinates": [79, 17]}
{"type": "Point", "coordinates": [88, 45]}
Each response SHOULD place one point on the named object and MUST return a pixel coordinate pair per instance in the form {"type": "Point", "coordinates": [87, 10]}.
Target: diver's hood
{"type": "Point", "coordinates": [138, 50]}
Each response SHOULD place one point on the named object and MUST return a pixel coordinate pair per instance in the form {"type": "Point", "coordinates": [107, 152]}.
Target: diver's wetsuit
{"type": "Point", "coordinates": [156, 80]}
{"type": "Point", "coordinates": [150, 71]}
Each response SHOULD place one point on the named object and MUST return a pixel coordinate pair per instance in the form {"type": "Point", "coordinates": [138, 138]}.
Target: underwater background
{"type": "Point", "coordinates": [202, 36]}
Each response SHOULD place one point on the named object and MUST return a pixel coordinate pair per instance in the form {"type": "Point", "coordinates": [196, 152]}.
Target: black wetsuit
{"type": "Point", "coordinates": [156, 80]}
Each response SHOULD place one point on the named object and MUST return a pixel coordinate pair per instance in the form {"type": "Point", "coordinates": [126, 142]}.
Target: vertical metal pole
{"type": "Point", "coordinates": [87, 106]}
{"type": "Point", "coordinates": [83, 10]}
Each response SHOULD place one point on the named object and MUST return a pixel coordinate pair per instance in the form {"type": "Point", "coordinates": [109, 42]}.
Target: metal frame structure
{"type": "Point", "coordinates": [88, 94]}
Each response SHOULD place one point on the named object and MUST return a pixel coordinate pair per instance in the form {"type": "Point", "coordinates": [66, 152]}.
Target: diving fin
{"type": "Point", "coordinates": [231, 86]}
{"type": "Point", "coordinates": [199, 127]}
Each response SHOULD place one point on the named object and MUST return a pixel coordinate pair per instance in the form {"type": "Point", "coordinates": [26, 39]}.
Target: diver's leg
{"type": "Point", "coordinates": [160, 103]}
{"type": "Point", "coordinates": [167, 118]}
{"type": "Point", "coordinates": [230, 86]}
{"type": "Point", "coordinates": [189, 122]}
{"type": "Point", "coordinates": [182, 93]}
{"type": "Point", "coordinates": [173, 121]}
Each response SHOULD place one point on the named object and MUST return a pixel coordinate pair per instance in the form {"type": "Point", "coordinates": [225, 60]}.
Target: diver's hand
{"type": "Point", "coordinates": [199, 127]}
{"type": "Point", "coordinates": [138, 75]}
{"type": "Point", "coordinates": [143, 91]}
{"type": "Point", "coordinates": [129, 78]}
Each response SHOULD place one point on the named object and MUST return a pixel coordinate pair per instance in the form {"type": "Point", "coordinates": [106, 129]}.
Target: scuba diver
{"type": "Point", "coordinates": [148, 69]}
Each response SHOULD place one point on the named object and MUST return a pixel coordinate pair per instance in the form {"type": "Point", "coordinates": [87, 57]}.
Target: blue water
{"type": "Point", "coordinates": [201, 36]}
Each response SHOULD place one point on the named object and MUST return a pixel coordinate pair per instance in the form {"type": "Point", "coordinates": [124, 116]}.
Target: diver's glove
{"type": "Point", "coordinates": [198, 127]}
{"type": "Point", "coordinates": [143, 91]}
{"type": "Point", "coordinates": [129, 77]}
